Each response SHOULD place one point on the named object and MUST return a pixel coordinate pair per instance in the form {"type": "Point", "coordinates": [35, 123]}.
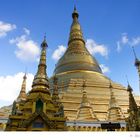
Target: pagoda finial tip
{"type": "Point", "coordinates": [44, 43]}
{"type": "Point", "coordinates": [75, 13]}
{"type": "Point", "coordinates": [24, 77]}
{"type": "Point", "coordinates": [45, 36]}
{"type": "Point", "coordinates": [74, 7]}
{"type": "Point", "coordinates": [25, 73]}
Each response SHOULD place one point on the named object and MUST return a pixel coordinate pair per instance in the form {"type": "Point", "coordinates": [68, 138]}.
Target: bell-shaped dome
{"type": "Point", "coordinates": [76, 57]}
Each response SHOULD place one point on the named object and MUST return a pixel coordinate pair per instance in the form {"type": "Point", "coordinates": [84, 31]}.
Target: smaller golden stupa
{"type": "Point", "coordinates": [37, 111]}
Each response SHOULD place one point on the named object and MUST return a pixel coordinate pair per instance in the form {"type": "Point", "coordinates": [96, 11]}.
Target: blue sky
{"type": "Point", "coordinates": [110, 27]}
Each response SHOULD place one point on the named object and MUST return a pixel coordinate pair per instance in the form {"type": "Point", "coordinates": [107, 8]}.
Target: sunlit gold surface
{"type": "Point", "coordinates": [76, 56]}
{"type": "Point", "coordinates": [38, 112]}
{"type": "Point", "coordinates": [84, 109]}
{"type": "Point", "coordinates": [77, 65]}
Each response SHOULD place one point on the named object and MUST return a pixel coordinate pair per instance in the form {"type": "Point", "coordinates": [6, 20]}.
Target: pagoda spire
{"type": "Point", "coordinates": [76, 57]}
{"type": "Point", "coordinates": [75, 32]}
{"type": "Point", "coordinates": [114, 112]}
{"type": "Point", "coordinates": [85, 111]}
{"type": "Point", "coordinates": [22, 95]}
{"type": "Point", "coordinates": [75, 14]}
{"type": "Point", "coordinates": [132, 102]}
{"type": "Point", "coordinates": [133, 123]}
{"type": "Point", "coordinates": [113, 102]}
{"type": "Point", "coordinates": [41, 80]}
{"type": "Point", "coordinates": [137, 64]}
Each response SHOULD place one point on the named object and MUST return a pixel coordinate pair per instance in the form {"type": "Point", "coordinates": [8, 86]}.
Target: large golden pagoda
{"type": "Point", "coordinates": [37, 111]}
{"type": "Point", "coordinates": [106, 102]}
{"type": "Point", "coordinates": [78, 90]}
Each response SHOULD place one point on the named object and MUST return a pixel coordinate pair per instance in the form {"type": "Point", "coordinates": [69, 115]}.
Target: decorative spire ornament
{"type": "Point", "coordinates": [137, 64]}
{"type": "Point", "coordinates": [114, 111]}
{"type": "Point", "coordinates": [85, 111]}
{"type": "Point", "coordinates": [22, 95]}
{"type": "Point", "coordinates": [41, 80]}
{"type": "Point", "coordinates": [132, 102]}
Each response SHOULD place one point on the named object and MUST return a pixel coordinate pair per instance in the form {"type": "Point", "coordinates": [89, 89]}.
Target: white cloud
{"type": "Point", "coordinates": [27, 31]}
{"type": "Point", "coordinates": [104, 68]}
{"type": "Point", "coordinates": [10, 85]}
{"type": "Point", "coordinates": [124, 38]}
{"type": "Point", "coordinates": [95, 48]}
{"type": "Point", "coordinates": [135, 41]}
{"type": "Point", "coordinates": [27, 49]}
{"type": "Point", "coordinates": [5, 28]}
{"type": "Point", "coordinates": [58, 52]}
{"type": "Point", "coordinates": [118, 46]}
{"type": "Point", "coordinates": [125, 41]}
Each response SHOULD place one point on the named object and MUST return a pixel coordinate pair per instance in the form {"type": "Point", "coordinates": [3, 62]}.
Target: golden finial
{"type": "Point", "coordinates": [44, 43]}
{"type": "Point", "coordinates": [75, 13]}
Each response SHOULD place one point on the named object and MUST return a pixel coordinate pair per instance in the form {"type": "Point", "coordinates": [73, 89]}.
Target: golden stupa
{"type": "Point", "coordinates": [37, 111]}
{"type": "Point", "coordinates": [108, 101]}
{"type": "Point", "coordinates": [77, 97]}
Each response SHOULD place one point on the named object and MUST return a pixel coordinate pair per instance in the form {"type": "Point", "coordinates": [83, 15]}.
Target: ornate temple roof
{"type": "Point", "coordinates": [76, 57]}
